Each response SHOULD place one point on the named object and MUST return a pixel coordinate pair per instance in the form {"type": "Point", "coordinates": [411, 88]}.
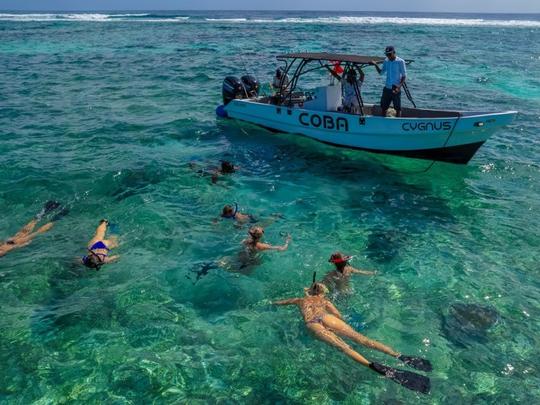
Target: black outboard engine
{"type": "Point", "coordinates": [232, 88]}
{"type": "Point", "coordinates": [251, 85]}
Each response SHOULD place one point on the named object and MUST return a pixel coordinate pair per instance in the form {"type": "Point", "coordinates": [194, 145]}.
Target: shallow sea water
{"type": "Point", "coordinates": [106, 116]}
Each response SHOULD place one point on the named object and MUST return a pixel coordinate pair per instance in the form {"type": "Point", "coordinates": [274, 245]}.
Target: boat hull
{"type": "Point", "coordinates": [453, 138]}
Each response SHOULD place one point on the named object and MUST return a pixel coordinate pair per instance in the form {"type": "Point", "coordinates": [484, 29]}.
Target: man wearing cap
{"type": "Point", "coordinates": [396, 73]}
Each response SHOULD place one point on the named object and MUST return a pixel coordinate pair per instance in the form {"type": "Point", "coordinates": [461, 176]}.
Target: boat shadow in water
{"type": "Point", "coordinates": [376, 194]}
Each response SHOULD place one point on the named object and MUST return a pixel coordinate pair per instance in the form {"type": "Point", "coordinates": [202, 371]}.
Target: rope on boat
{"type": "Point", "coordinates": [408, 94]}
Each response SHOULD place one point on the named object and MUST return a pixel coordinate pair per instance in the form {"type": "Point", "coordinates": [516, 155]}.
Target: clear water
{"type": "Point", "coordinates": [105, 115]}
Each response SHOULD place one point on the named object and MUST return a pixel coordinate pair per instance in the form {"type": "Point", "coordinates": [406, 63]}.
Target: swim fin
{"type": "Point", "coordinates": [60, 214]}
{"type": "Point", "coordinates": [416, 362]}
{"type": "Point", "coordinates": [47, 207]}
{"type": "Point", "coordinates": [410, 380]}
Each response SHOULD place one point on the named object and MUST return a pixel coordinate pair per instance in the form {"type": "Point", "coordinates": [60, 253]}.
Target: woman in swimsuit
{"type": "Point", "coordinates": [99, 248]}
{"type": "Point", "coordinates": [253, 242]}
{"type": "Point", "coordinates": [25, 236]}
{"type": "Point", "coordinates": [338, 279]}
{"type": "Point", "coordinates": [326, 322]}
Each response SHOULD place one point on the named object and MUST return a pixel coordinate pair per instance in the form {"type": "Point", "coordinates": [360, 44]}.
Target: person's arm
{"type": "Point", "coordinates": [377, 68]}
{"type": "Point", "coordinates": [364, 272]}
{"type": "Point", "coordinates": [290, 301]}
{"type": "Point", "coordinates": [333, 310]}
{"type": "Point", "coordinates": [266, 246]}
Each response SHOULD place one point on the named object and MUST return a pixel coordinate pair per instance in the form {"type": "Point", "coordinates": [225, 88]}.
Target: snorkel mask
{"type": "Point", "coordinates": [338, 258]}
{"type": "Point", "coordinates": [93, 261]}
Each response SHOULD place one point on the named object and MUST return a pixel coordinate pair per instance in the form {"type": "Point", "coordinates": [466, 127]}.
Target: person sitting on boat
{"type": "Point", "coordinates": [253, 242]}
{"type": "Point", "coordinates": [26, 235]}
{"type": "Point", "coordinates": [281, 80]}
{"type": "Point", "coordinates": [230, 212]}
{"type": "Point", "coordinates": [99, 248]}
{"type": "Point", "coordinates": [324, 320]}
{"type": "Point", "coordinates": [396, 74]}
{"type": "Point", "coordinates": [351, 91]}
{"type": "Point", "coordinates": [338, 279]}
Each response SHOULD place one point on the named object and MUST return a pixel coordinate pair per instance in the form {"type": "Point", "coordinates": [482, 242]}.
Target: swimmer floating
{"type": "Point", "coordinates": [326, 322]}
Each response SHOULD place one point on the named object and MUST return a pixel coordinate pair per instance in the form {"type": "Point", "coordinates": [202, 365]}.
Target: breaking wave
{"type": "Point", "coordinates": [359, 20]}
{"type": "Point", "coordinates": [89, 17]}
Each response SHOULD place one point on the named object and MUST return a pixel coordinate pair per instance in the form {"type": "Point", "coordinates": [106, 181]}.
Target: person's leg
{"type": "Point", "coordinates": [385, 101]}
{"type": "Point", "coordinates": [341, 328]}
{"type": "Point", "coordinates": [26, 239]}
{"type": "Point", "coordinates": [29, 227]}
{"type": "Point", "coordinates": [112, 242]}
{"type": "Point", "coordinates": [100, 233]}
{"type": "Point", "coordinates": [41, 229]}
{"type": "Point", "coordinates": [332, 339]}
{"type": "Point", "coordinates": [396, 101]}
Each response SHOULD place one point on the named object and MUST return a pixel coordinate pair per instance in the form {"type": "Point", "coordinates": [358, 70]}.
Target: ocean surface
{"type": "Point", "coordinates": [105, 111]}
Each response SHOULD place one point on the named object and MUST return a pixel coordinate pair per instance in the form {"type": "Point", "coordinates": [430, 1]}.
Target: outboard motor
{"type": "Point", "coordinates": [251, 85]}
{"type": "Point", "coordinates": [232, 88]}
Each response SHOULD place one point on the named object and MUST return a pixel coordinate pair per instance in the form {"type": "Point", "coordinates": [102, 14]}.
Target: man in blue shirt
{"type": "Point", "coordinates": [396, 73]}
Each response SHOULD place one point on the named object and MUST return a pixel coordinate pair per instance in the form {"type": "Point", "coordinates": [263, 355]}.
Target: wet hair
{"type": "Point", "coordinates": [317, 289]}
{"type": "Point", "coordinates": [256, 232]}
{"type": "Point", "coordinates": [227, 167]}
{"type": "Point", "coordinates": [339, 260]}
{"type": "Point", "coordinates": [228, 210]}
{"type": "Point", "coordinates": [279, 73]}
{"type": "Point", "coordinates": [93, 261]}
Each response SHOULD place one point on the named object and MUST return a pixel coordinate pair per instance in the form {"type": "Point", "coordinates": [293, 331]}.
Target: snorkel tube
{"type": "Point", "coordinates": [233, 215]}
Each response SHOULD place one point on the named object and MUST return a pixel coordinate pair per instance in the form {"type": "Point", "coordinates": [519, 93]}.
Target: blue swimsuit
{"type": "Point", "coordinates": [98, 245]}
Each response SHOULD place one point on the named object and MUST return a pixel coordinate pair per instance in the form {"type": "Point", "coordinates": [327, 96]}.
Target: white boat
{"type": "Point", "coordinates": [442, 135]}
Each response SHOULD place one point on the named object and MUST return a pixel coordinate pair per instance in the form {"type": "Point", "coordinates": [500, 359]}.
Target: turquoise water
{"type": "Point", "coordinates": [105, 115]}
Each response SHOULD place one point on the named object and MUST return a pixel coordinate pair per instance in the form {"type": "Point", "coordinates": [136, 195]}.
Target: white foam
{"type": "Point", "coordinates": [365, 20]}
{"type": "Point", "coordinates": [228, 19]}
{"type": "Point", "coordinates": [86, 17]}
{"type": "Point", "coordinates": [472, 22]}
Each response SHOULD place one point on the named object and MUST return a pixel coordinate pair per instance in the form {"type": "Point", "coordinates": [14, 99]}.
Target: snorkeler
{"type": "Point", "coordinates": [228, 212]}
{"type": "Point", "coordinates": [25, 236]}
{"type": "Point", "coordinates": [339, 278]}
{"type": "Point", "coordinates": [253, 242]}
{"type": "Point", "coordinates": [99, 248]}
{"type": "Point", "coordinates": [224, 168]}
{"type": "Point", "coordinates": [325, 321]}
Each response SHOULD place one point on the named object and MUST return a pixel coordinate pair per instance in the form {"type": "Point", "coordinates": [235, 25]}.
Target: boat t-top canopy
{"type": "Point", "coordinates": [332, 57]}
{"type": "Point", "coordinates": [300, 63]}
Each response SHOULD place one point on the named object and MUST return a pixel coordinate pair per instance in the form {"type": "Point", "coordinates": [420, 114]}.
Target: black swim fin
{"type": "Point", "coordinates": [60, 214]}
{"type": "Point", "coordinates": [410, 380]}
{"type": "Point", "coordinates": [416, 362]}
{"type": "Point", "coordinates": [47, 207]}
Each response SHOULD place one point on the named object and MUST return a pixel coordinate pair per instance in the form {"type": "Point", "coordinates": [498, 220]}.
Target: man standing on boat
{"type": "Point", "coordinates": [396, 73]}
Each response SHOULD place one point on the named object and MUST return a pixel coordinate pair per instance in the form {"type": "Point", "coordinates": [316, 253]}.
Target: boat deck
{"type": "Point", "coordinates": [374, 110]}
